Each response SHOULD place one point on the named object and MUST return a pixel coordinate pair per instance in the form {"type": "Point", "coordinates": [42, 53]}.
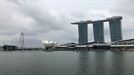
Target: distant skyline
{"type": "Point", "coordinates": [50, 19]}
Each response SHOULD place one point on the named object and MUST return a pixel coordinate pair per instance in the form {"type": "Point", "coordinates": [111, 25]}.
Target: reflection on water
{"type": "Point", "coordinates": [83, 68]}
{"type": "Point", "coordinates": [117, 63]}
{"type": "Point", "coordinates": [67, 63]}
{"type": "Point", "coordinates": [104, 63]}
{"type": "Point", "coordinates": [93, 63]}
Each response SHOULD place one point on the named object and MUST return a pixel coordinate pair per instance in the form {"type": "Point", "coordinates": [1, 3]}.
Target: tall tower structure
{"type": "Point", "coordinates": [115, 28]}
{"type": "Point", "coordinates": [83, 35]}
{"type": "Point", "coordinates": [98, 29]}
{"type": "Point", "coordinates": [82, 31]}
{"type": "Point", "coordinates": [21, 40]}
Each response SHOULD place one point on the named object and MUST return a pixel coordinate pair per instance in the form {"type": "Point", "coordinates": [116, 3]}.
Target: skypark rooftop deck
{"type": "Point", "coordinates": [103, 20]}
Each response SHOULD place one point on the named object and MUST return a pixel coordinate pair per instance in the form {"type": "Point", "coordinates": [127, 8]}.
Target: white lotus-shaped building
{"type": "Point", "coordinates": [49, 44]}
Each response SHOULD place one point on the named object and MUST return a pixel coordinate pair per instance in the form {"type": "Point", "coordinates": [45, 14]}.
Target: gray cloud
{"type": "Point", "coordinates": [36, 23]}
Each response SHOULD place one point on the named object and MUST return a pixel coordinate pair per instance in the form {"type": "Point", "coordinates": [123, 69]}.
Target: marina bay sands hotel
{"type": "Point", "coordinates": [98, 29]}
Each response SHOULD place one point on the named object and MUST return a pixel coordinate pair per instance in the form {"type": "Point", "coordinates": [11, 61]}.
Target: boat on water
{"type": "Point", "coordinates": [49, 44]}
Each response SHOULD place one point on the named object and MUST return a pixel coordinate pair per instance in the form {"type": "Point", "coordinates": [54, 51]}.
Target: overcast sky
{"type": "Point", "coordinates": [50, 19]}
